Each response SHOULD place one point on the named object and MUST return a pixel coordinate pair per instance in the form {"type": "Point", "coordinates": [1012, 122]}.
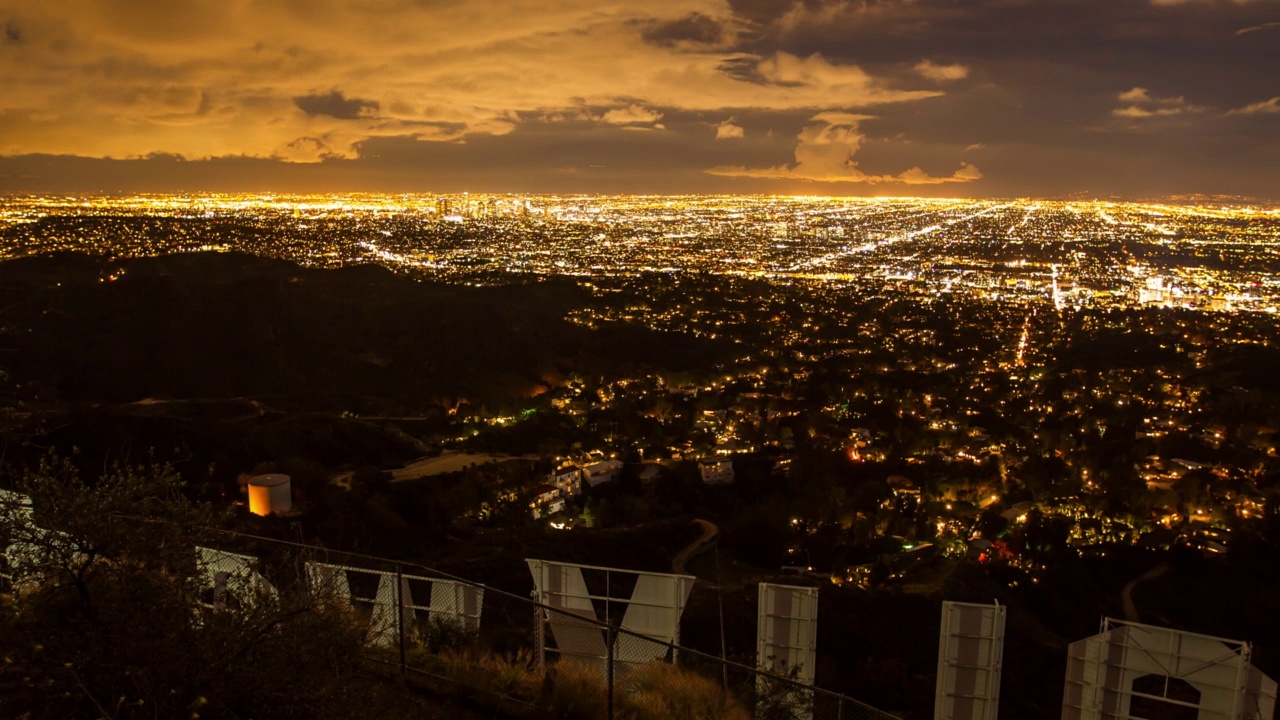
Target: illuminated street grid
{"type": "Point", "coordinates": [1086, 254]}
{"type": "Point", "coordinates": [1080, 427]}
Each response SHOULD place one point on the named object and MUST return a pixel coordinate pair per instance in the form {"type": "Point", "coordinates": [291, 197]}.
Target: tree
{"type": "Point", "coordinates": [1194, 490]}
{"type": "Point", "coordinates": [370, 481]}
{"type": "Point", "coordinates": [991, 523]}
{"type": "Point", "coordinates": [108, 613]}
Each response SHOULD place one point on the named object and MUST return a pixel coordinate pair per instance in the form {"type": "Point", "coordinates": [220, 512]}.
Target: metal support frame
{"type": "Point", "coordinates": [767, 637]}
{"type": "Point", "coordinates": [1219, 668]}
{"type": "Point", "coordinates": [405, 609]}
{"type": "Point", "coordinates": [971, 655]}
{"type": "Point", "coordinates": [400, 615]}
{"type": "Point", "coordinates": [612, 645]}
{"type": "Point", "coordinates": [560, 602]}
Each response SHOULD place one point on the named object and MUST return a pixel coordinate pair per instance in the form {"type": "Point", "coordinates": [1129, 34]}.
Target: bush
{"type": "Point", "coordinates": [109, 616]}
{"type": "Point", "coordinates": [578, 691]}
{"type": "Point", "coordinates": [658, 691]}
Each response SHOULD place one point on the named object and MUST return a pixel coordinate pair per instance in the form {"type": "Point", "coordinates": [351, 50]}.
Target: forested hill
{"type": "Point", "coordinates": [78, 329]}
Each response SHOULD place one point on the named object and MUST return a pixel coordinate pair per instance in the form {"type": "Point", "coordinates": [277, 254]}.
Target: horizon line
{"type": "Point", "coordinates": [1180, 199]}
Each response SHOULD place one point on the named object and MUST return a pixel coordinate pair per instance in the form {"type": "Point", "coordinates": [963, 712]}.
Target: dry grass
{"type": "Point", "coordinates": [658, 691]}
{"type": "Point", "coordinates": [507, 675]}
{"type": "Point", "coordinates": [577, 691]}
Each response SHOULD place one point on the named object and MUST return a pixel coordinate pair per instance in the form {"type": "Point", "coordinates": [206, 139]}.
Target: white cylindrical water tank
{"type": "Point", "coordinates": [270, 493]}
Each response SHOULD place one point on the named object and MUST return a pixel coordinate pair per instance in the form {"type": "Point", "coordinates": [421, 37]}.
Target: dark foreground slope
{"type": "Point", "coordinates": [207, 325]}
{"type": "Point", "coordinates": [218, 362]}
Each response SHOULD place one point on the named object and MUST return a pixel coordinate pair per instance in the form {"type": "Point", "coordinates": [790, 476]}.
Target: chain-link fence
{"type": "Point", "coordinates": [481, 642]}
{"type": "Point", "coordinates": [515, 650]}
{"type": "Point", "coordinates": [658, 679]}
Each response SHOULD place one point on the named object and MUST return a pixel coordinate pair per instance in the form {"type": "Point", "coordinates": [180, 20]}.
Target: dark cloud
{"type": "Point", "coordinates": [743, 68]}
{"type": "Point", "coordinates": [1044, 80]}
{"type": "Point", "coordinates": [1128, 42]}
{"type": "Point", "coordinates": [306, 147]}
{"type": "Point", "coordinates": [334, 105]}
{"type": "Point", "coordinates": [566, 156]}
{"type": "Point", "coordinates": [759, 11]}
{"type": "Point", "coordinates": [1038, 97]}
{"type": "Point", "coordinates": [448, 129]}
{"type": "Point", "coordinates": [692, 28]}
{"type": "Point", "coordinates": [764, 12]}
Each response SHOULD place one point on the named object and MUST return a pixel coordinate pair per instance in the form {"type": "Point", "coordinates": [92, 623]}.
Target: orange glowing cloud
{"type": "Point", "coordinates": [306, 81]}
{"type": "Point", "coordinates": [824, 153]}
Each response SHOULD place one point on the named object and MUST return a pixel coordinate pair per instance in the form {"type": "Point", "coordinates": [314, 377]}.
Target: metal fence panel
{"type": "Point", "coordinates": [1135, 670]}
{"type": "Point", "coordinates": [970, 656]}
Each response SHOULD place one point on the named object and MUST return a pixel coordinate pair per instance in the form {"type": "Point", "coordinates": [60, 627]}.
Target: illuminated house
{"type": "Point", "coordinates": [602, 472]}
{"type": "Point", "coordinates": [568, 480]}
{"type": "Point", "coordinates": [548, 501]}
{"type": "Point", "coordinates": [716, 472]}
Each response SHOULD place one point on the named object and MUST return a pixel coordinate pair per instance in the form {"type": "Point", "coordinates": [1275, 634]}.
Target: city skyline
{"type": "Point", "coordinates": [1073, 255]}
{"type": "Point", "coordinates": [1131, 99]}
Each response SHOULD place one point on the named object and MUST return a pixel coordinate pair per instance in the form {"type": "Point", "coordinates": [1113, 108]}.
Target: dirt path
{"type": "Point", "coordinates": [709, 532]}
{"type": "Point", "coordinates": [1126, 595]}
{"type": "Point", "coordinates": [446, 462]}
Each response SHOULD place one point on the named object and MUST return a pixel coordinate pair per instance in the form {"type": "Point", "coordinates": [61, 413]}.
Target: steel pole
{"type": "Point", "coordinates": [400, 616]}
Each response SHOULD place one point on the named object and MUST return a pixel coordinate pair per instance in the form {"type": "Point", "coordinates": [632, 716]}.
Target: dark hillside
{"type": "Point", "coordinates": [209, 325]}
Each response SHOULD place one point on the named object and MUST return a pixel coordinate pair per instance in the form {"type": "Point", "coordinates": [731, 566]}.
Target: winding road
{"type": "Point", "coordinates": [1126, 595]}
{"type": "Point", "coordinates": [709, 532]}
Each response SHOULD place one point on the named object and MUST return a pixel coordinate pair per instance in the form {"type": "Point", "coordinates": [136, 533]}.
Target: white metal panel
{"type": "Point", "coordinates": [17, 556]}
{"type": "Point", "coordinates": [653, 609]}
{"type": "Point", "coordinates": [787, 631]}
{"type": "Point", "coordinates": [15, 504]}
{"type": "Point", "coordinates": [562, 587]}
{"type": "Point", "coordinates": [15, 510]}
{"type": "Point", "coordinates": [384, 620]}
{"type": "Point", "coordinates": [29, 544]}
{"type": "Point", "coordinates": [970, 655]}
{"type": "Point", "coordinates": [328, 581]}
{"type": "Point", "coordinates": [1141, 668]}
{"type": "Point", "coordinates": [1081, 696]}
{"type": "Point", "coordinates": [455, 602]}
{"type": "Point", "coordinates": [1260, 697]}
{"type": "Point", "coordinates": [231, 574]}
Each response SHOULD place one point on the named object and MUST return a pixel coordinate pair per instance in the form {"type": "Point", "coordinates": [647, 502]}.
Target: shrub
{"type": "Point", "coordinates": [659, 691]}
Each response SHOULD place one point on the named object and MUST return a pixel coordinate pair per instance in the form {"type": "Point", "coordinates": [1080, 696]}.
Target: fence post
{"type": "Point", "coordinates": [538, 637]}
{"type": "Point", "coordinates": [400, 615]}
{"type": "Point", "coordinates": [612, 634]}
{"type": "Point", "coordinates": [724, 666]}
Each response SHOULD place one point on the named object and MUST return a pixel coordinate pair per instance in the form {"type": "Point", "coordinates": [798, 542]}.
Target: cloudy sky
{"type": "Point", "coordinates": [981, 98]}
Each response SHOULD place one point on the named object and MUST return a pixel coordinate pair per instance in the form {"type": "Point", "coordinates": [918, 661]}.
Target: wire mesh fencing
{"type": "Point", "coordinates": [482, 641]}
{"type": "Point", "coordinates": [690, 683]}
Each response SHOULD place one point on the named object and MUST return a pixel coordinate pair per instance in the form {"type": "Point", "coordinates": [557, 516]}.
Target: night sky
{"type": "Point", "coordinates": [976, 98]}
